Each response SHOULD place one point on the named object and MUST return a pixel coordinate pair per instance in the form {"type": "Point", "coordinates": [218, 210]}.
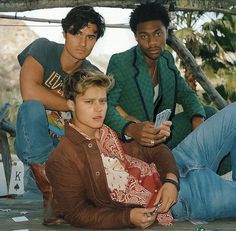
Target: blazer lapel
{"type": "Point", "coordinates": [144, 83]}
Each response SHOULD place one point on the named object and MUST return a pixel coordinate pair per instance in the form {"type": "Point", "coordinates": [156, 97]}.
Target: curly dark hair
{"type": "Point", "coordinates": [148, 12]}
{"type": "Point", "coordinates": [79, 17]}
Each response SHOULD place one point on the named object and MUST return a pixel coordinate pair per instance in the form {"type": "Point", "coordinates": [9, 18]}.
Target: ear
{"type": "Point", "coordinates": [71, 105]}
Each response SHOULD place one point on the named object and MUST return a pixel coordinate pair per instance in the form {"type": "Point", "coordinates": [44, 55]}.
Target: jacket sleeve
{"type": "Point", "coordinates": [185, 95]}
{"type": "Point", "coordinates": [69, 190]}
{"type": "Point", "coordinates": [163, 158]}
{"type": "Point", "coordinates": [113, 118]}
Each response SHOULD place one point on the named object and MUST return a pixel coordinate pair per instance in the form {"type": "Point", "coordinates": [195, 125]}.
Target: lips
{"type": "Point", "coordinates": [80, 51]}
{"type": "Point", "coordinates": [98, 118]}
{"type": "Point", "coordinates": [156, 51]}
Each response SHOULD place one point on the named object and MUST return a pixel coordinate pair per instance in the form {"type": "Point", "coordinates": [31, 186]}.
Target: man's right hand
{"type": "Point", "coordinates": [142, 217]}
{"type": "Point", "coordinates": [146, 134]}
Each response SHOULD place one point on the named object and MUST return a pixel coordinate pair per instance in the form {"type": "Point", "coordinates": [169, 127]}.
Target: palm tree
{"type": "Point", "coordinates": [218, 50]}
{"type": "Point", "coordinates": [213, 45]}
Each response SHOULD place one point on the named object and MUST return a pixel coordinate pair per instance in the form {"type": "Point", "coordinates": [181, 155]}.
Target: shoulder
{"type": "Point", "coordinates": [42, 42]}
{"type": "Point", "coordinates": [168, 63]}
{"type": "Point", "coordinates": [121, 62]}
{"type": "Point", "coordinates": [63, 151]}
{"type": "Point", "coordinates": [167, 55]}
{"type": "Point", "coordinates": [47, 45]}
{"type": "Point", "coordinates": [88, 65]}
{"type": "Point", "coordinates": [39, 49]}
{"type": "Point", "coordinates": [124, 56]}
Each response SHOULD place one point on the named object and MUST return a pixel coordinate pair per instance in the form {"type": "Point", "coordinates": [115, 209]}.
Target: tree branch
{"type": "Point", "coordinates": [53, 20]}
{"type": "Point", "coordinates": [224, 6]}
{"type": "Point", "coordinates": [190, 64]}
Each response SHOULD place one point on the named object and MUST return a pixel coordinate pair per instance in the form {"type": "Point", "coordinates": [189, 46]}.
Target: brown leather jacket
{"type": "Point", "coordinates": [77, 175]}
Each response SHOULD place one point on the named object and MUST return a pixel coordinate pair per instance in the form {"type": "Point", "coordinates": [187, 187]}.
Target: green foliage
{"type": "Point", "coordinates": [221, 89]}
{"type": "Point", "coordinates": [213, 45]}
{"type": "Point", "coordinates": [228, 95]}
{"type": "Point", "coordinates": [232, 96]}
{"type": "Point", "coordinates": [218, 40]}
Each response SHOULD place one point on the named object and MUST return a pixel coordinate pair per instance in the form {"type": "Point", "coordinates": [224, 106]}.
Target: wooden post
{"type": "Point", "coordinates": [190, 63]}
{"type": "Point", "coordinates": [6, 156]}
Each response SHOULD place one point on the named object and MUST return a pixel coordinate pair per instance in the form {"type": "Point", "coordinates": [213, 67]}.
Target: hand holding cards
{"type": "Point", "coordinates": [162, 116]}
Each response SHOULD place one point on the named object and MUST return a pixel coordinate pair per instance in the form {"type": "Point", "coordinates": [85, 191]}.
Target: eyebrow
{"type": "Point", "coordinates": [80, 31]}
{"type": "Point", "coordinates": [145, 32]}
{"type": "Point", "coordinates": [105, 97]}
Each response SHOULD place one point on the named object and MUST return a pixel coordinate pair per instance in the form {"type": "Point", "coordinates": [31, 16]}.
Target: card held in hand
{"type": "Point", "coordinates": [162, 116]}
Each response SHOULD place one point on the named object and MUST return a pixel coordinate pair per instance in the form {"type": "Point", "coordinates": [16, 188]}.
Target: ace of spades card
{"type": "Point", "coordinates": [17, 178]}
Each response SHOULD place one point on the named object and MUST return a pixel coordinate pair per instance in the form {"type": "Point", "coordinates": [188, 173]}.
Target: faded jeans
{"type": "Point", "coordinates": [203, 194]}
{"type": "Point", "coordinates": [33, 143]}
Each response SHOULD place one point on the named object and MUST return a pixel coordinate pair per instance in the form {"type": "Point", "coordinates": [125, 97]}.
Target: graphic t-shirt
{"type": "Point", "coordinates": [48, 54]}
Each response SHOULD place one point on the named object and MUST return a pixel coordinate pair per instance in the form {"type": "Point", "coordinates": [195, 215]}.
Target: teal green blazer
{"type": "Point", "coordinates": [134, 92]}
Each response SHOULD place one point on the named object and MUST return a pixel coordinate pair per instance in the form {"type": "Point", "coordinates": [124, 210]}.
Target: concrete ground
{"type": "Point", "coordinates": [32, 210]}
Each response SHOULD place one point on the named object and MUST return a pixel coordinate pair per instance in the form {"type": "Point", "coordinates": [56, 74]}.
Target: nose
{"type": "Point", "coordinates": [152, 40]}
{"type": "Point", "coordinates": [98, 106]}
{"type": "Point", "coordinates": [82, 40]}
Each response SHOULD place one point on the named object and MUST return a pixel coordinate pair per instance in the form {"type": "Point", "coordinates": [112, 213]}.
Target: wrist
{"type": "Point", "coordinates": [124, 132]}
{"type": "Point", "coordinates": [129, 129]}
{"type": "Point", "coordinates": [171, 181]}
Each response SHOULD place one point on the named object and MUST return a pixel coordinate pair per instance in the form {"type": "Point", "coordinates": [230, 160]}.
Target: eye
{"type": "Point", "coordinates": [143, 36]}
{"type": "Point", "coordinates": [159, 33]}
{"type": "Point", "coordinates": [103, 101]}
{"type": "Point", "coordinates": [92, 37]}
{"type": "Point", "coordinates": [88, 101]}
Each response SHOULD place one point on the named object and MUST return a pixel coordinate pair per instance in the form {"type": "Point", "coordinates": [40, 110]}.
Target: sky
{"type": "Point", "coordinates": [114, 40]}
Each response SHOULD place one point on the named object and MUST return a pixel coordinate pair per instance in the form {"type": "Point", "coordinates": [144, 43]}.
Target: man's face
{"type": "Point", "coordinates": [89, 110]}
{"type": "Point", "coordinates": [80, 45]}
{"type": "Point", "coordinates": [151, 36]}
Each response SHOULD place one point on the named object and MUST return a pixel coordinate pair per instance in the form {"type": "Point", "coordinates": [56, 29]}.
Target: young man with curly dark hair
{"type": "Point", "coordinates": [41, 116]}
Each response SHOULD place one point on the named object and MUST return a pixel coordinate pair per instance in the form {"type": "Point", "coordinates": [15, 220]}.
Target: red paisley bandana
{"type": "Point", "coordinates": [130, 180]}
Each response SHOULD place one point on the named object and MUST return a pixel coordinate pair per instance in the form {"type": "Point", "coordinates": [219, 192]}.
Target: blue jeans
{"type": "Point", "coordinates": [33, 143]}
{"type": "Point", "coordinates": [203, 194]}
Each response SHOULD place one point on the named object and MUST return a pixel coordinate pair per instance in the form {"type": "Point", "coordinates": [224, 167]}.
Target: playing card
{"type": "Point", "coordinates": [162, 116]}
{"type": "Point", "coordinates": [17, 181]}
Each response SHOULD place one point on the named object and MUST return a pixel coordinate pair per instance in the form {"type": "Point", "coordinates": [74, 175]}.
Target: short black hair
{"type": "Point", "coordinates": [148, 12]}
{"type": "Point", "coordinates": [79, 17]}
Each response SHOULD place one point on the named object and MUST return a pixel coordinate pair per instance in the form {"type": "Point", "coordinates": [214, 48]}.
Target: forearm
{"type": "Point", "coordinates": [189, 100]}
{"type": "Point", "coordinates": [100, 218]}
{"type": "Point", "coordinates": [115, 121]}
{"type": "Point", "coordinates": [191, 105]}
{"type": "Point", "coordinates": [164, 160]}
{"type": "Point", "coordinates": [50, 99]}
